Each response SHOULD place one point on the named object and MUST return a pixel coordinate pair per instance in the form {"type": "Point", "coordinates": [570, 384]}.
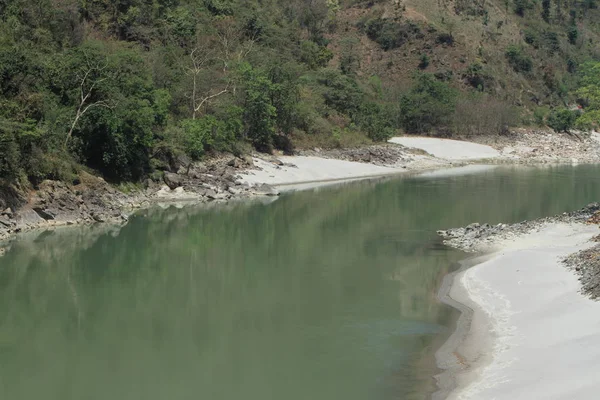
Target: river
{"type": "Point", "coordinates": [323, 294]}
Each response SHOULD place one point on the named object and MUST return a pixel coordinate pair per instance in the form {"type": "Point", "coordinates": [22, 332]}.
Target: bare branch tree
{"type": "Point", "coordinates": [227, 47]}
{"type": "Point", "coordinates": [87, 86]}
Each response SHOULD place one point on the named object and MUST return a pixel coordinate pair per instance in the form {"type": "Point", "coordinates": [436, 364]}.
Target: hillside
{"type": "Point", "coordinates": [133, 88]}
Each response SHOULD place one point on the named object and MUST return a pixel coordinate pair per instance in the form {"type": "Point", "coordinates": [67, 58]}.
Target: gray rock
{"type": "Point", "coordinates": [45, 213]}
{"type": "Point", "coordinates": [28, 217]}
{"type": "Point", "coordinates": [248, 160]}
{"type": "Point", "coordinates": [173, 181]}
{"type": "Point", "coordinates": [266, 190]}
{"type": "Point", "coordinates": [4, 220]}
{"type": "Point", "coordinates": [233, 190]}
{"type": "Point", "coordinates": [211, 194]}
{"type": "Point", "coordinates": [235, 163]}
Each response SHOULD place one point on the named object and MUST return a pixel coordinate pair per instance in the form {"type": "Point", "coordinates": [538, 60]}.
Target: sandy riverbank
{"type": "Point", "coordinates": [527, 331]}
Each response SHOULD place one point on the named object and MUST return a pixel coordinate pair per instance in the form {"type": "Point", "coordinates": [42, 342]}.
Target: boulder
{"type": "Point", "coordinates": [5, 221]}
{"type": "Point", "coordinates": [266, 190]}
{"type": "Point", "coordinates": [45, 213]}
{"type": "Point", "coordinates": [248, 160]}
{"type": "Point", "coordinates": [235, 163]}
{"type": "Point", "coordinates": [173, 181]}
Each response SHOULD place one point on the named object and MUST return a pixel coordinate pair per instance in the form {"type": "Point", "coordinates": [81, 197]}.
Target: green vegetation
{"type": "Point", "coordinates": [123, 89]}
{"type": "Point", "coordinates": [429, 104]}
{"type": "Point", "coordinates": [518, 60]}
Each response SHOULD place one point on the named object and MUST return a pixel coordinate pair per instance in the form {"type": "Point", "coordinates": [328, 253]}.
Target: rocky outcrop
{"type": "Point", "coordinates": [91, 200]}
{"type": "Point", "coordinates": [172, 180]}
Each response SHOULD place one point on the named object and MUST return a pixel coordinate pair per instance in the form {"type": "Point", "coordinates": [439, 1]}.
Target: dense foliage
{"type": "Point", "coordinates": [123, 88]}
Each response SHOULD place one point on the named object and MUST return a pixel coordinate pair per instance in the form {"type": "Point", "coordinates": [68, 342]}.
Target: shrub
{"type": "Point", "coordinates": [588, 121]}
{"type": "Point", "coordinates": [550, 41]}
{"type": "Point", "coordinates": [313, 55]}
{"type": "Point", "coordinates": [389, 34]}
{"type": "Point", "coordinates": [375, 121]}
{"type": "Point", "coordinates": [341, 93]}
{"type": "Point", "coordinates": [445, 39]}
{"type": "Point", "coordinates": [424, 63]}
{"type": "Point", "coordinates": [476, 77]}
{"type": "Point", "coordinates": [540, 114]}
{"type": "Point", "coordinates": [518, 60]}
{"type": "Point", "coordinates": [210, 133]}
{"type": "Point", "coordinates": [520, 6]}
{"type": "Point", "coordinates": [429, 104]}
{"type": "Point", "coordinates": [562, 120]}
{"type": "Point", "coordinates": [573, 34]}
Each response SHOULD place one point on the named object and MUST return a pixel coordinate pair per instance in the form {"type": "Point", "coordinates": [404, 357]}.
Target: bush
{"type": "Point", "coordinates": [429, 104]}
{"type": "Point", "coordinates": [476, 77]}
{"type": "Point", "coordinates": [313, 55]}
{"type": "Point", "coordinates": [209, 133]}
{"type": "Point", "coordinates": [588, 121]}
{"type": "Point", "coordinates": [540, 114]}
{"type": "Point", "coordinates": [389, 34]}
{"type": "Point", "coordinates": [424, 63]}
{"type": "Point", "coordinates": [341, 93]}
{"type": "Point", "coordinates": [520, 6]}
{"type": "Point", "coordinates": [562, 120]}
{"type": "Point", "coordinates": [375, 121]}
{"type": "Point", "coordinates": [445, 39]}
{"type": "Point", "coordinates": [518, 60]}
{"type": "Point", "coordinates": [573, 34]}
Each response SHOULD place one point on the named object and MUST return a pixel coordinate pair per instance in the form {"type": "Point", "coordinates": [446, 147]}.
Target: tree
{"type": "Point", "coordinates": [518, 60]}
{"type": "Point", "coordinates": [260, 114]}
{"type": "Point", "coordinates": [546, 10]}
{"type": "Point", "coordinates": [562, 120]}
{"type": "Point", "coordinates": [428, 105]}
{"type": "Point", "coordinates": [89, 78]}
{"type": "Point", "coordinates": [200, 56]}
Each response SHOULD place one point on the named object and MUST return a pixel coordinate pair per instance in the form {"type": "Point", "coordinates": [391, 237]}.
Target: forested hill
{"type": "Point", "coordinates": [123, 87]}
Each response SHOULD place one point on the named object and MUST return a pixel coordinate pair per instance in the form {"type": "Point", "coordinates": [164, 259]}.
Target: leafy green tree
{"type": "Point", "coordinates": [313, 55]}
{"type": "Point", "coordinates": [562, 120]}
{"type": "Point", "coordinates": [546, 10]}
{"type": "Point", "coordinates": [260, 114]}
{"type": "Point", "coordinates": [428, 105]}
{"type": "Point", "coordinates": [376, 121]}
{"type": "Point", "coordinates": [341, 93]}
{"type": "Point", "coordinates": [116, 137]}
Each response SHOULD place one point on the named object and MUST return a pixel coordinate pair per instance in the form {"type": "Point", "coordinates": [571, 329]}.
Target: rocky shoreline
{"type": "Point", "coordinates": [90, 199]}
{"type": "Point", "coordinates": [543, 146]}
{"type": "Point", "coordinates": [478, 237]}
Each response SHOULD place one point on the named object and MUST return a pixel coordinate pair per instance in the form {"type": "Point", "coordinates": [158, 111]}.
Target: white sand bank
{"type": "Point", "coordinates": [533, 335]}
{"type": "Point", "coordinates": [453, 150]}
{"type": "Point", "coordinates": [297, 170]}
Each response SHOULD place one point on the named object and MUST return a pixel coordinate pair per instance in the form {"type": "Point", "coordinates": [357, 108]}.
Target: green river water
{"type": "Point", "coordinates": [327, 294]}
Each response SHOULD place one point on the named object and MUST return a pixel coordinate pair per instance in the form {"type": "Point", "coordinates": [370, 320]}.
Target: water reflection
{"type": "Point", "coordinates": [326, 295]}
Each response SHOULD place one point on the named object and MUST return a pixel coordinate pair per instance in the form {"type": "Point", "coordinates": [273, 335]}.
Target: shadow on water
{"type": "Point", "coordinates": [326, 294]}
